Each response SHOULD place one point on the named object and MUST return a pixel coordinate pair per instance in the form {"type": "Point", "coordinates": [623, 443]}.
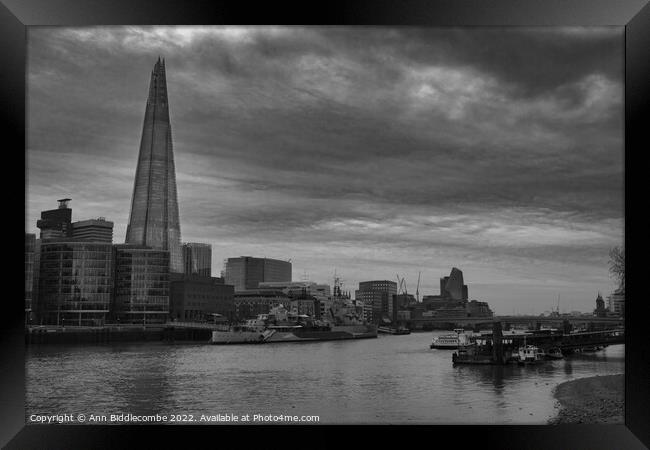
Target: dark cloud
{"type": "Point", "coordinates": [374, 150]}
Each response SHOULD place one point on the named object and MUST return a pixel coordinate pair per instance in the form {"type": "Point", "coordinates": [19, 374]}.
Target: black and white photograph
{"type": "Point", "coordinates": [324, 225]}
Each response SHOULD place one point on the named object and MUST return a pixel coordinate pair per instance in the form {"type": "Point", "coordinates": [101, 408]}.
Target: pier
{"type": "Point", "coordinates": [497, 348]}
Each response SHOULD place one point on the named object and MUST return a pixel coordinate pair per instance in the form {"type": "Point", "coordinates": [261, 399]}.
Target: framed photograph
{"type": "Point", "coordinates": [352, 215]}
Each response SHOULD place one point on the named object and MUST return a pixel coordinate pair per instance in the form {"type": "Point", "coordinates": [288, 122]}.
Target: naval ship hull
{"type": "Point", "coordinates": [336, 333]}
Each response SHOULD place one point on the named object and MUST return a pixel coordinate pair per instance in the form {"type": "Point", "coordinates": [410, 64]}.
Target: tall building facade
{"type": "Point", "coordinates": [141, 284]}
{"type": "Point", "coordinates": [75, 282]}
{"type": "Point", "coordinates": [197, 259]}
{"type": "Point", "coordinates": [247, 272]}
{"type": "Point", "coordinates": [30, 247]}
{"type": "Point", "coordinates": [154, 219]}
{"type": "Point", "coordinates": [376, 296]}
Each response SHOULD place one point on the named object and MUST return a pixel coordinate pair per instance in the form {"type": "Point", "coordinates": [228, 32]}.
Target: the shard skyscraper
{"type": "Point", "coordinates": [154, 219]}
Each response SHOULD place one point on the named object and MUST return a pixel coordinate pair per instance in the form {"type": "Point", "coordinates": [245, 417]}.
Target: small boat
{"type": "Point", "coordinates": [554, 353]}
{"type": "Point", "coordinates": [528, 354]}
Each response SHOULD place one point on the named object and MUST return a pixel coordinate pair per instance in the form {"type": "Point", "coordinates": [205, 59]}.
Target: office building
{"type": "Point", "coordinates": [56, 223]}
{"type": "Point", "coordinates": [452, 287]}
{"type": "Point", "coordinates": [195, 298]}
{"type": "Point", "coordinates": [197, 259]}
{"type": "Point", "coordinates": [246, 272]}
{"type": "Point", "coordinates": [154, 220]}
{"type": "Point", "coordinates": [616, 302]}
{"type": "Point", "coordinates": [141, 284]}
{"type": "Point", "coordinates": [75, 282]}
{"type": "Point", "coordinates": [376, 296]}
{"type": "Point", "coordinates": [96, 230]}
{"type": "Point", "coordinates": [299, 288]}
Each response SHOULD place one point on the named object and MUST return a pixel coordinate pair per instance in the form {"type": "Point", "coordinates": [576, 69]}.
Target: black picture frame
{"type": "Point", "coordinates": [634, 15]}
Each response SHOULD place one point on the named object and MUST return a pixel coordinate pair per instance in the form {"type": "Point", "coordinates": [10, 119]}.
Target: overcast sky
{"type": "Point", "coordinates": [371, 151]}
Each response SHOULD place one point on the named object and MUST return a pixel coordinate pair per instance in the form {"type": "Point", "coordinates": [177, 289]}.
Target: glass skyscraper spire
{"type": "Point", "coordinates": [154, 219]}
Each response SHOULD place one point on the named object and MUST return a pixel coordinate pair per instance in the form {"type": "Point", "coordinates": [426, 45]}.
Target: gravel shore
{"type": "Point", "coordinates": [591, 400]}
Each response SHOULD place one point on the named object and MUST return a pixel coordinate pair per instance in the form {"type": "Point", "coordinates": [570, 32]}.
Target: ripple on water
{"type": "Point", "coordinates": [393, 379]}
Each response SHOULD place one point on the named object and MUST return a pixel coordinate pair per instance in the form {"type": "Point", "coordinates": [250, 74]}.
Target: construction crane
{"type": "Point", "coordinates": [417, 289]}
{"type": "Point", "coordinates": [401, 286]}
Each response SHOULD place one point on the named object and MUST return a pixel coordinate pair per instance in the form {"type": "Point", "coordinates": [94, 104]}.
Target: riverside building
{"type": "Point", "coordinates": [376, 296]}
{"type": "Point", "coordinates": [195, 298]}
{"type": "Point", "coordinates": [75, 282]}
{"type": "Point", "coordinates": [141, 284]}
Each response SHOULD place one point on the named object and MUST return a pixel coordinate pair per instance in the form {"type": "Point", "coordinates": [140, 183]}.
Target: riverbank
{"type": "Point", "coordinates": [597, 399]}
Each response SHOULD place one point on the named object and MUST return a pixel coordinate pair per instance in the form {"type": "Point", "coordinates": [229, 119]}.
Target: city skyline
{"type": "Point", "coordinates": [369, 151]}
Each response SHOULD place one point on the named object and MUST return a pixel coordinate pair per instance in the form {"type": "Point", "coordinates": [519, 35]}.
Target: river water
{"type": "Point", "coordinates": [388, 380]}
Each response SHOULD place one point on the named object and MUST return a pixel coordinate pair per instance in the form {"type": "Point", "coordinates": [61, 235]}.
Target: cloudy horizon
{"type": "Point", "coordinates": [372, 151]}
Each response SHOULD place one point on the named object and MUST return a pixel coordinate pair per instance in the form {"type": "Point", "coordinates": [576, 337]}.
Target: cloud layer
{"type": "Point", "coordinates": [368, 150]}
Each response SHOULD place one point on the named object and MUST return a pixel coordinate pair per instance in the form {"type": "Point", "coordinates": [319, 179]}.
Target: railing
{"type": "Point", "coordinates": [201, 325]}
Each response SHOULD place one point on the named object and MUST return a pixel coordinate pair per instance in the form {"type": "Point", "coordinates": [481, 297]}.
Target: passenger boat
{"type": "Point", "coordinates": [451, 341]}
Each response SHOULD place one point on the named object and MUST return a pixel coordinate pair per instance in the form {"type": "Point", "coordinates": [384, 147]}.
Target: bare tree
{"type": "Point", "coordinates": [617, 265]}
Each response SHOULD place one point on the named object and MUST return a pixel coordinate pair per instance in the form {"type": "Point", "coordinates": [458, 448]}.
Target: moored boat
{"type": "Point", "coordinates": [281, 325]}
{"type": "Point", "coordinates": [452, 341]}
{"type": "Point", "coordinates": [554, 353]}
{"type": "Point", "coordinates": [528, 354]}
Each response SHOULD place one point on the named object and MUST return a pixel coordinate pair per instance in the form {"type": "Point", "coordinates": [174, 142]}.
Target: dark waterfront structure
{"type": "Point", "coordinates": [376, 296]}
{"type": "Point", "coordinates": [246, 272]}
{"type": "Point", "coordinates": [30, 247]}
{"type": "Point", "coordinates": [451, 303]}
{"type": "Point", "coordinates": [154, 219]}
{"type": "Point", "coordinates": [141, 284]}
{"type": "Point", "coordinates": [197, 298]}
{"type": "Point", "coordinates": [75, 282]}
{"type": "Point", "coordinates": [197, 259]}
{"type": "Point", "coordinates": [96, 230]}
